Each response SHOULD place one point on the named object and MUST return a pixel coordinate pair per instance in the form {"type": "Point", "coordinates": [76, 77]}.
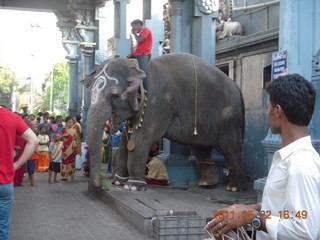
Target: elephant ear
{"type": "Point", "coordinates": [89, 79]}
{"type": "Point", "coordinates": [135, 81]}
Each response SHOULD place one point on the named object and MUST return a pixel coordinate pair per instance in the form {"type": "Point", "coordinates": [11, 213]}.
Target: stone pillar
{"type": "Point", "coordinates": [315, 74]}
{"type": "Point", "coordinates": [176, 25]}
{"type": "Point", "coordinates": [101, 53]}
{"type": "Point", "coordinates": [73, 84]}
{"type": "Point", "coordinates": [87, 51]}
{"type": "Point", "coordinates": [84, 16]}
{"type": "Point", "coordinates": [204, 30]}
{"type": "Point", "coordinates": [146, 10]}
{"type": "Point", "coordinates": [70, 43]}
{"type": "Point", "coordinates": [122, 44]}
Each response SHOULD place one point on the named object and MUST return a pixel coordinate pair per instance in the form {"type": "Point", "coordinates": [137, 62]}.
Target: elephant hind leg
{"type": "Point", "coordinates": [208, 171]}
{"type": "Point", "coordinates": [237, 176]}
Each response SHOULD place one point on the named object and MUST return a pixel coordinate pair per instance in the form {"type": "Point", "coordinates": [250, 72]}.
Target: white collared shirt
{"type": "Point", "coordinates": [293, 185]}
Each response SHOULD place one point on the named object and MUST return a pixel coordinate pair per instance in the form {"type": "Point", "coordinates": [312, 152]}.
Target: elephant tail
{"type": "Point", "coordinates": [243, 116]}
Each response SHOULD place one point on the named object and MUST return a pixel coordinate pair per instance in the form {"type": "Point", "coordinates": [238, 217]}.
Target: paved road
{"type": "Point", "coordinates": [65, 211]}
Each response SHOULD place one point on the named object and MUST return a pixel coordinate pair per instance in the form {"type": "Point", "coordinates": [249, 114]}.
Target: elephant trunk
{"type": "Point", "coordinates": [97, 116]}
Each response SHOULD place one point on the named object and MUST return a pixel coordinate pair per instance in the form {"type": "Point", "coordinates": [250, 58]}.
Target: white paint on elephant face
{"type": "Point", "coordinates": [227, 112]}
{"type": "Point", "coordinates": [100, 84]}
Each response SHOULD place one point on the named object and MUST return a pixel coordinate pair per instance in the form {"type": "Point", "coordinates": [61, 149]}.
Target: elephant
{"type": "Point", "coordinates": [188, 101]}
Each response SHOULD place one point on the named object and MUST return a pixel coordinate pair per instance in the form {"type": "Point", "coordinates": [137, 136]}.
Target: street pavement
{"type": "Point", "coordinates": [65, 211]}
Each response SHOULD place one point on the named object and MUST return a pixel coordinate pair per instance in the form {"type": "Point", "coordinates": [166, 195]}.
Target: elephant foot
{"type": "Point", "coordinates": [119, 181]}
{"type": "Point", "coordinates": [237, 181]}
{"type": "Point", "coordinates": [134, 185]}
{"type": "Point", "coordinates": [208, 182]}
{"type": "Point", "coordinates": [234, 189]}
{"type": "Point", "coordinates": [208, 174]}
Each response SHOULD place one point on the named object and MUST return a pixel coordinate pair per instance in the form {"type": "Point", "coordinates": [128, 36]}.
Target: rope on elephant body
{"type": "Point", "coordinates": [195, 131]}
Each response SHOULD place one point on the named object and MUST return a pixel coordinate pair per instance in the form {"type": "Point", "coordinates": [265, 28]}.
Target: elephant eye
{"type": "Point", "coordinates": [115, 96]}
{"type": "Point", "coordinates": [101, 84]}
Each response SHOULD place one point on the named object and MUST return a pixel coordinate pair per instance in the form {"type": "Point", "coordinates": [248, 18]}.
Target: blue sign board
{"type": "Point", "coordinates": [279, 64]}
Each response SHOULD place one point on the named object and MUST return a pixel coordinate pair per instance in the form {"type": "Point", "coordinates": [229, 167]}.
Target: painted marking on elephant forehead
{"type": "Point", "coordinates": [105, 74]}
{"type": "Point", "coordinates": [100, 83]}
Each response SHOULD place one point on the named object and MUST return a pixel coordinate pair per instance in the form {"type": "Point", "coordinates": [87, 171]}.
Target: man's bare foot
{"type": "Point", "coordinates": [34, 185]}
{"type": "Point", "coordinates": [55, 181]}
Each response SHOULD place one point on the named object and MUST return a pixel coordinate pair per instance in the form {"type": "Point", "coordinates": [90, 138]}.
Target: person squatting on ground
{"type": "Point", "coordinates": [55, 158]}
{"type": "Point", "coordinates": [144, 37]}
{"type": "Point", "coordinates": [291, 197]}
{"type": "Point", "coordinates": [156, 172]}
{"type": "Point", "coordinates": [10, 126]}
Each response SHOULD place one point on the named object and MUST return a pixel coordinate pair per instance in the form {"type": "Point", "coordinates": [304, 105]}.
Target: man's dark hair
{"type": "Point", "coordinates": [295, 95]}
{"type": "Point", "coordinates": [137, 21]}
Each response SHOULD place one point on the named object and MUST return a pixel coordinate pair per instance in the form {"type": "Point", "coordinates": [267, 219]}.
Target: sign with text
{"type": "Point", "coordinates": [279, 64]}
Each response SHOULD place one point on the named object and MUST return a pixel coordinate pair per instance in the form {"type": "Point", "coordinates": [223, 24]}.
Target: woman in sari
{"type": "Point", "coordinates": [69, 150]}
{"type": "Point", "coordinates": [78, 128]}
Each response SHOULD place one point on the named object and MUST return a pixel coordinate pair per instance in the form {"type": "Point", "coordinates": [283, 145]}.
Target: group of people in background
{"type": "Point", "coordinates": [59, 144]}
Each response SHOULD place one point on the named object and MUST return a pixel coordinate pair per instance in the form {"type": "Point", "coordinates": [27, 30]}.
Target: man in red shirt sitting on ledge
{"type": "Point", "coordinates": [142, 53]}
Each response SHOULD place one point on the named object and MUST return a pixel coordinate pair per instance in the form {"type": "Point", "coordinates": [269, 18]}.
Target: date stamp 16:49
{"type": "Point", "coordinates": [248, 214]}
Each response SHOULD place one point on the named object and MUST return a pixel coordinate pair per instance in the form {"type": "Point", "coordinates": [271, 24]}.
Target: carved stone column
{"type": "Point", "coordinates": [88, 53]}
{"type": "Point", "coordinates": [204, 30]}
{"type": "Point", "coordinates": [73, 84]}
{"type": "Point", "coordinates": [70, 43]}
{"type": "Point", "coordinates": [83, 12]}
{"type": "Point", "coordinates": [176, 25]}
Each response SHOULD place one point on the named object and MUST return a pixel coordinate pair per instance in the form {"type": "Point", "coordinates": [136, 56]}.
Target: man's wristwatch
{"type": "Point", "coordinates": [256, 221]}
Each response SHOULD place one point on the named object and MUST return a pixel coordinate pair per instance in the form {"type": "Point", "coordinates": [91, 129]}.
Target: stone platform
{"type": "Point", "coordinates": [139, 208]}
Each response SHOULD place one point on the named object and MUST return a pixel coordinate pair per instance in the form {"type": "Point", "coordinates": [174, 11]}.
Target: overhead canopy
{"type": "Point", "coordinates": [35, 5]}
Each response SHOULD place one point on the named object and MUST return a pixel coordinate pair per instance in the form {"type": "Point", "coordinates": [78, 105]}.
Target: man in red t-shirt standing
{"type": "Point", "coordinates": [10, 126]}
{"type": "Point", "coordinates": [143, 51]}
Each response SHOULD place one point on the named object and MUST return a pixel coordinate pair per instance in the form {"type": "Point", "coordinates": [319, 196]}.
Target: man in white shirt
{"type": "Point", "coordinates": [290, 207]}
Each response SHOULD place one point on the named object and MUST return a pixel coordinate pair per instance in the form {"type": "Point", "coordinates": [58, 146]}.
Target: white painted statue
{"type": "Point", "coordinates": [228, 29]}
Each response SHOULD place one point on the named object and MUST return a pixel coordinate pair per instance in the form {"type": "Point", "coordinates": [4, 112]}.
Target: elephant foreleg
{"type": "Point", "coordinates": [119, 164]}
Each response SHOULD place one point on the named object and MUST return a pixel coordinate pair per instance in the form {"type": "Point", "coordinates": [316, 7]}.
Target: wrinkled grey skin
{"type": "Point", "coordinates": [169, 113]}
